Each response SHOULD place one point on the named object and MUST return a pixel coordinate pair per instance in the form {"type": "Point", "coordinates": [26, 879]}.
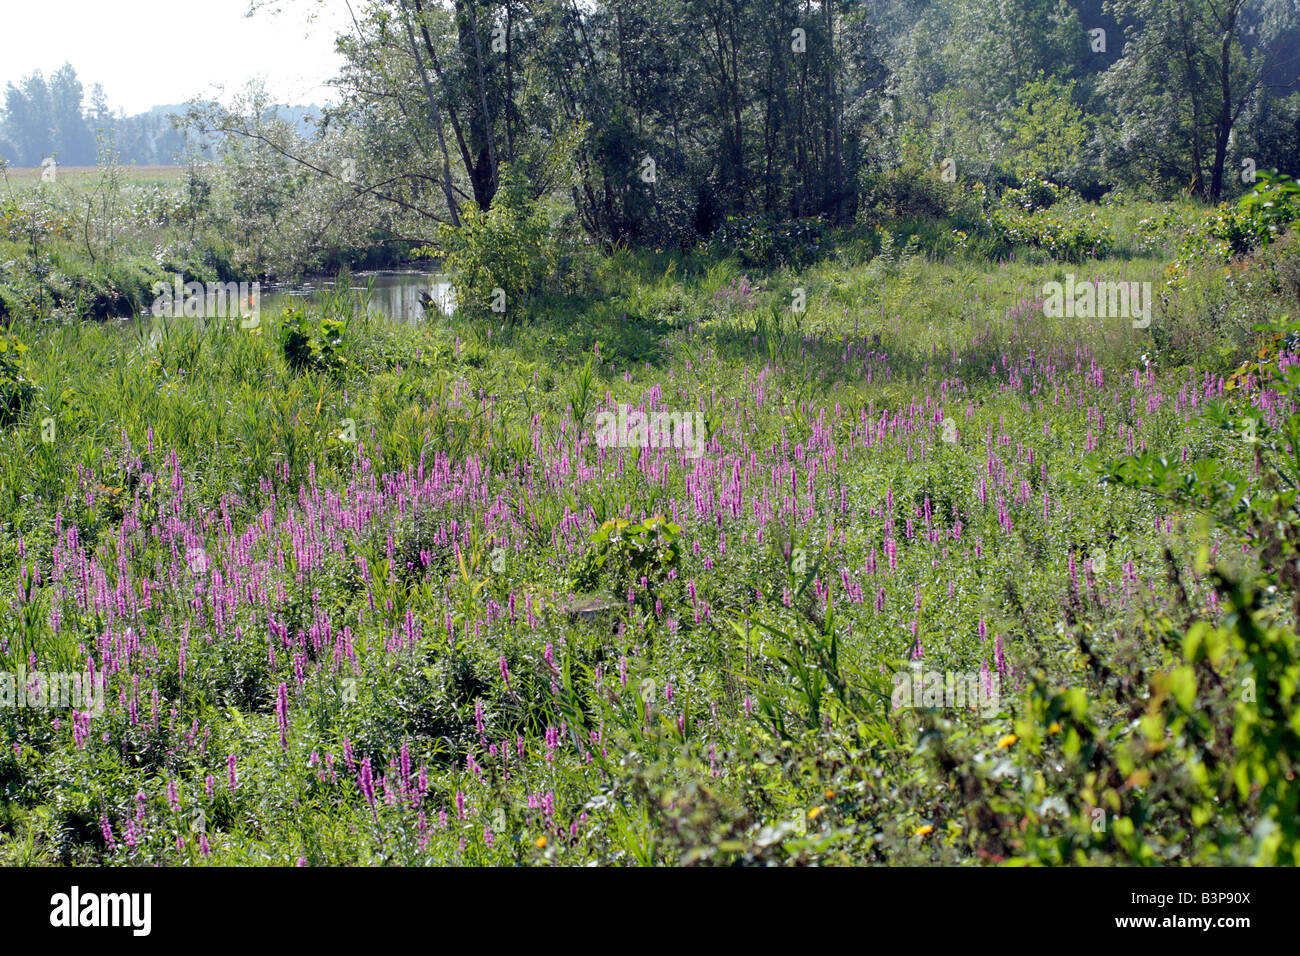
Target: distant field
{"type": "Point", "coordinates": [83, 175]}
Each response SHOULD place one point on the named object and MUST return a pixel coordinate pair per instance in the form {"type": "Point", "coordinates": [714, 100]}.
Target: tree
{"type": "Point", "coordinates": [72, 137]}
{"type": "Point", "coordinates": [1190, 69]}
{"type": "Point", "coordinates": [29, 120]}
{"type": "Point", "coordinates": [1047, 130]}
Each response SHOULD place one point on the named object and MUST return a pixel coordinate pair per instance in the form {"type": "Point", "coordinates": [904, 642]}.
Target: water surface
{"type": "Point", "coordinates": [394, 293]}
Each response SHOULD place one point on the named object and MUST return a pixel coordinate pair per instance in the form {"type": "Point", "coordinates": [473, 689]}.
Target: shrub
{"type": "Point", "coordinates": [1069, 237]}
{"type": "Point", "coordinates": [1257, 219]}
{"type": "Point", "coordinates": [1047, 132]}
{"type": "Point", "coordinates": [760, 242]}
{"type": "Point", "coordinates": [1260, 216]}
{"type": "Point", "coordinates": [15, 388]}
{"type": "Point", "coordinates": [1278, 265]}
{"type": "Point", "coordinates": [907, 192]}
{"type": "Point", "coordinates": [501, 257]}
{"type": "Point", "coordinates": [624, 552]}
{"type": "Point", "coordinates": [311, 345]}
{"type": "Point", "coordinates": [1034, 193]}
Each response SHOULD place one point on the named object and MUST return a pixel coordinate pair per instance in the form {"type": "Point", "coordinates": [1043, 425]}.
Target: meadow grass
{"type": "Point", "coordinates": [336, 608]}
{"type": "Point", "coordinates": [84, 178]}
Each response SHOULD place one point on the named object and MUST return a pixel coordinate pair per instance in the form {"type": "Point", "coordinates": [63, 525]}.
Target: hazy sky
{"type": "Point", "coordinates": [150, 52]}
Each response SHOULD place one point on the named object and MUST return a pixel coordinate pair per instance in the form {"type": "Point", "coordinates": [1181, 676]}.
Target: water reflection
{"type": "Point", "coordinates": [398, 295]}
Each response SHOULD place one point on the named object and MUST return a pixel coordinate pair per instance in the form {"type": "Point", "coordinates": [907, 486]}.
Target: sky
{"type": "Point", "coordinates": [155, 52]}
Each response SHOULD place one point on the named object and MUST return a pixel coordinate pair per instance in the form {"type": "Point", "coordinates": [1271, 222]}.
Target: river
{"type": "Point", "coordinates": [394, 293]}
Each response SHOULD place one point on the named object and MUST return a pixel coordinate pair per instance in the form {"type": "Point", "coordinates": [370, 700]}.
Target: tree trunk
{"type": "Point", "coordinates": [487, 176]}
{"type": "Point", "coordinates": [435, 117]}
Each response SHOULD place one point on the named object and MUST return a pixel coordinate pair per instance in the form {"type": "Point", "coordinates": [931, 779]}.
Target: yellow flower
{"type": "Point", "coordinates": [1054, 728]}
{"type": "Point", "coordinates": [815, 812]}
{"type": "Point", "coordinates": [541, 843]}
{"type": "Point", "coordinates": [922, 831]}
{"type": "Point", "coordinates": [1007, 741]}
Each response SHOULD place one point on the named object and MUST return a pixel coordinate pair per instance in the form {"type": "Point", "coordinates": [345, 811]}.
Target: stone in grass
{"type": "Point", "coordinates": [590, 607]}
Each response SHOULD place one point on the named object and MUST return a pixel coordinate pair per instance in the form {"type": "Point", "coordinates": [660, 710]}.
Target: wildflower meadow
{"type": "Point", "coordinates": [814, 443]}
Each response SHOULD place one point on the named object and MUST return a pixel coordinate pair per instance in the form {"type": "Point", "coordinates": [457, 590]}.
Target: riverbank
{"type": "Point", "coordinates": [92, 243]}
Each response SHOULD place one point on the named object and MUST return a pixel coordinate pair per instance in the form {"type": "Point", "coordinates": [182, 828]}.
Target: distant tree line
{"type": "Point", "coordinates": [657, 121]}
{"type": "Point", "coordinates": [43, 117]}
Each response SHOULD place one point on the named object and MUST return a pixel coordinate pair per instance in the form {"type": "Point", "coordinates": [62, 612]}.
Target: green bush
{"type": "Point", "coordinates": [1074, 786]}
{"type": "Point", "coordinates": [624, 552]}
{"type": "Point", "coordinates": [15, 388]}
{"type": "Point", "coordinates": [1033, 193]}
{"type": "Point", "coordinates": [1068, 237]}
{"type": "Point", "coordinates": [311, 345]}
{"type": "Point", "coordinates": [760, 242]}
{"type": "Point", "coordinates": [910, 192]}
{"type": "Point", "coordinates": [500, 258]}
{"type": "Point", "coordinates": [1260, 216]}
{"type": "Point", "coordinates": [1047, 133]}
{"type": "Point", "coordinates": [1253, 223]}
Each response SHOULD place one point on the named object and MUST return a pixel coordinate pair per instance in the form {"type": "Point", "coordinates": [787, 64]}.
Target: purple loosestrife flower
{"type": "Point", "coordinates": [282, 714]}
{"type": "Point", "coordinates": [366, 781]}
{"type": "Point", "coordinates": [230, 771]}
{"type": "Point", "coordinates": [552, 741]}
